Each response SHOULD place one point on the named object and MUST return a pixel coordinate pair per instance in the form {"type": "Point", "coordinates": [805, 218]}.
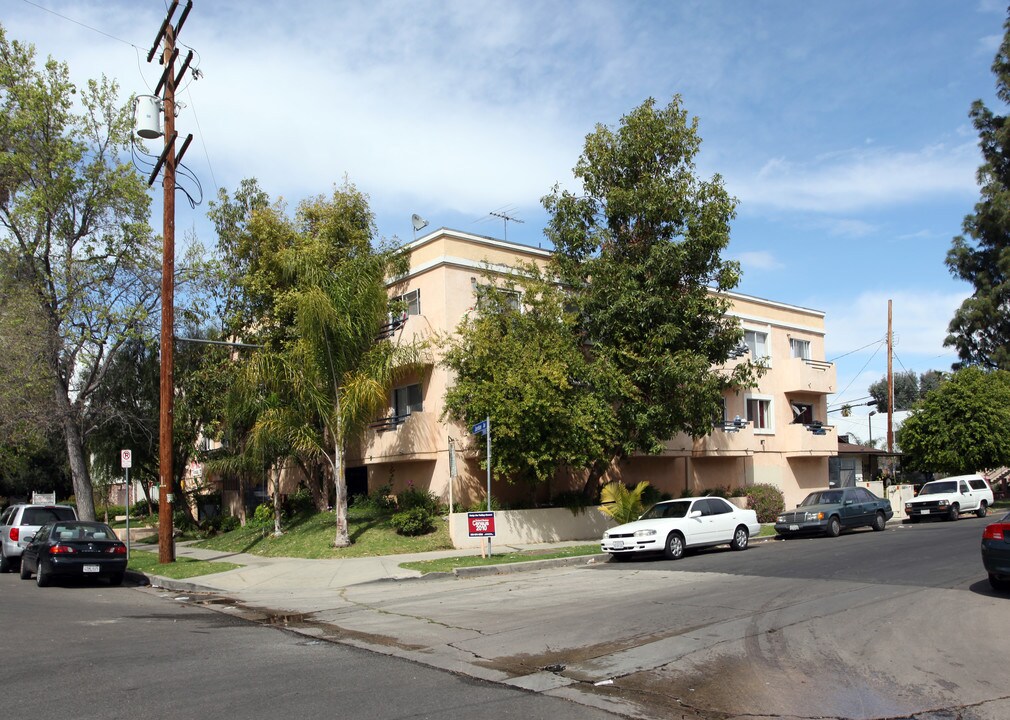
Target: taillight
{"type": "Point", "coordinates": [996, 531]}
{"type": "Point", "coordinates": [117, 550]}
{"type": "Point", "coordinates": [61, 550]}
{"type": "Point", "coordinates": [15, 533]}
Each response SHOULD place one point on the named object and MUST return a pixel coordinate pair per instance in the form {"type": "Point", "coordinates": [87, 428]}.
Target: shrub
{"type": "Point", "coordinates": [415, 521]}
{"type": "Point", "coordinates": [142, 508]}
{"type": "Point", "coordinates": [380, 500]}
{"type": "Point", "coordinates": [412, 498]}
{"type": "Point", "coordinates": [766, 500]}
{"type": "Point", "coordinates": [622, 503]}
{"type": "Point", "coordinates": [227, 523]}
{"type": "Point", "coordinates": [182, 521]}
{"type": "Point", "coordinates": [651, 495]}
{"type": "Point", "coordinates": [300, 503]}
{"type": "Point", "coordinates": [263, 516]}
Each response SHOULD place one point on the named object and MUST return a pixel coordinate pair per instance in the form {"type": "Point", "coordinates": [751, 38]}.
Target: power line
{"type": "Point", "coordinates": [77, 22]}
{"type": "Point", "coordinates": [875, 342]}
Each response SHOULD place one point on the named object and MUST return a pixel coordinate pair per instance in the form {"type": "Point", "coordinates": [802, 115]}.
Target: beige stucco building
{"type": "Point", "coordinates": [781, 437]}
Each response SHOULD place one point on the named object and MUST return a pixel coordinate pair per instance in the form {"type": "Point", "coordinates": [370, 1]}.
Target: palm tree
{"type": "Point", "coordinates": [621, 503]}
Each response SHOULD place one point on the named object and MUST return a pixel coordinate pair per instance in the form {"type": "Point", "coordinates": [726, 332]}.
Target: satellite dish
{"type": "Point", "coordinates": [418, 222]}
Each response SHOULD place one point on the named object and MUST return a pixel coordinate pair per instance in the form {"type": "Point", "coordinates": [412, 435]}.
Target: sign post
{"type": "Point", "coordinates": [126, 461]}
{"type": "Point", "coordinates": [484, 427]}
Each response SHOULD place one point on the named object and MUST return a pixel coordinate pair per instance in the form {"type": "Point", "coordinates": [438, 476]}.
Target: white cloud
{"type": "Point", "coordinates": [758, 260]}
{"type": "Point", "coordinates": [861, 179]}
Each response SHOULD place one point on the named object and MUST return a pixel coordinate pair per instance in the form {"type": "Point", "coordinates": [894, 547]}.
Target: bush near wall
{"type": "Point", "coordinates": [766, 500]}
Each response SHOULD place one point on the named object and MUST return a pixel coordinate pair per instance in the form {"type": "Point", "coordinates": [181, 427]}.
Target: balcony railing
{"type": "Point", "coordinates": [809, 376]}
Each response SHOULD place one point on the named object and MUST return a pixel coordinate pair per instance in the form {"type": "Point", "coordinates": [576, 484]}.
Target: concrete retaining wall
{"type": "Point", "coordinates": [530, 527]}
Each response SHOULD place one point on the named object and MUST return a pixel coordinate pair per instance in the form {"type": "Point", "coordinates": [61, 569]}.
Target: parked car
{"type": "Point", "coordinates": [996, 552]}
{"type": "Point", "coordinates": [76, 548]}
{"type": "Point", "coordinates": [19, 522]}
{"type": "Point", "coordinates": [830, 511]}
{"type": "Point", "coordinates": [671, 527]}
{"type": "Point", "coordinates": [950, 497]}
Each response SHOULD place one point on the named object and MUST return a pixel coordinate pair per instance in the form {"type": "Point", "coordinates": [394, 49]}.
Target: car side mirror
{"type": "Point", "coordinates": [695, 514]}
{"type": "Point", "coordinates": [848, 502]}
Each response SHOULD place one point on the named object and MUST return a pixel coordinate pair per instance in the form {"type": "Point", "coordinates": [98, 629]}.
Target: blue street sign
{"type": "Point", "coordinates": [480, 428]}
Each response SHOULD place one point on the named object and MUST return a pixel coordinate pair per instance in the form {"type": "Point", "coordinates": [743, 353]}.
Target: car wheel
{"type": "Point", "coordinates": [41, 577]}
{"type": "Point", "coordinates": [740, 538]}
{"type": "Point", "coordinates": [998, 583]}
{"type": "Point", "coordinates": [25, 572]}
{"type": "Point", "coordinates": [983, 509]}
{"type": "Point", "coordinates": [954, 513]}
{"type": "Point", "coordinates": [879, 522]}
{"type": "Point", "coordinates": [674, 548]}
{"type": "Point", "coordinates": [834, 528]}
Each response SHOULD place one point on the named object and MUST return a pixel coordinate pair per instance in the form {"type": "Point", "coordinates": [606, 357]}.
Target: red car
{"type": "Point", "coordinates": [996, 552]}
{"type": "Point", "coordinates": [76, 548]}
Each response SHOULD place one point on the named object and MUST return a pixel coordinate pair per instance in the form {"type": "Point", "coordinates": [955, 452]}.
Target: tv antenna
{"type": "Point", "coordinates": [506, 217]}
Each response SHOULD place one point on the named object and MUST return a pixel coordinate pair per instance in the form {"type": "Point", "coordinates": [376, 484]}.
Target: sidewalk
{"type": "Point", "coordinates": [287, 576]}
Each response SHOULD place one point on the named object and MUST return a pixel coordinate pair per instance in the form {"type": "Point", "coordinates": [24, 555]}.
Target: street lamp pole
{"type": "Point", "coordinates": [869, 426]}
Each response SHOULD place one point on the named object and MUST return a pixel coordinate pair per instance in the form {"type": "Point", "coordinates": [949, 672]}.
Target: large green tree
{"type": "Point", "coordinates": [909, 388]}
{"type": "Point", "coordinates": [73, 221]}
{"type": "Point", "coordinates": [980, 328]}
{"type": "Point", "coordinates": [961, 427]}
{"type": "Point", "coordinates": [639, 249]}
{"type": "Point", "coordinates": [312, 293]}
{"type": "Point", "coordinates": [524, 367]}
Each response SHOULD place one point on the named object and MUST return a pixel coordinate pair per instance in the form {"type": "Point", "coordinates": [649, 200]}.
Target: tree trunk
{"type": "Point", "coordinates": [343, 537]}
{"type": "Point", "coordinates": [79, 469]}
{"type": "Point", "coordinates": [592, 486]}
{"type": "Point", "coordinates": [243, 516]}
{"type": "Point", "coordinates": [275, 477]}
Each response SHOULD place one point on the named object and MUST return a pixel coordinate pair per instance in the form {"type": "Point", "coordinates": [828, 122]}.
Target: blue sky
{"type": "Point", "coordinates": [840, 125]}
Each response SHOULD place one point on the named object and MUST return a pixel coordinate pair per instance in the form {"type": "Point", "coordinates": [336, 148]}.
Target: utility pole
{"type": "Point", "coordinates": [169, 161]}
{"type": "Point", "coordinates": [890, 381]}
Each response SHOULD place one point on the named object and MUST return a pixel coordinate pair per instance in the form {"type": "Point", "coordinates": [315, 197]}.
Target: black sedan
{"type": "Point", "coordinates": [829, 511]}
{"type": "Point", "coordinates": [996, 552]}
{"type": "Point", "coordinates": [74, 549]}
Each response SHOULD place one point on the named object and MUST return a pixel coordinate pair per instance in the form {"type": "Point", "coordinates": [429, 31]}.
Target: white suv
{"type": "Point", "coordinates": [950, 497]}
{"type": "Point", "coordinates": [19, 523]}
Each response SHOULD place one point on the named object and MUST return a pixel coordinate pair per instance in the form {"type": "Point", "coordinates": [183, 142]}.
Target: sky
{"type": "Point", "coordinates": [841, 126]}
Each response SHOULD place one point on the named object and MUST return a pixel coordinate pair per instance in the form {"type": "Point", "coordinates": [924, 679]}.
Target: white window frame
{"type": "Point", "coordinates": [769, 428]}
{"type": "Point", "coordinates": [407, 407]}
{"type": "Point", "coordinates": [412, 300]}
{"type": "Point", "coordinates": [750, 336]}
{"type": "Point", "coordinates": [799, 348]}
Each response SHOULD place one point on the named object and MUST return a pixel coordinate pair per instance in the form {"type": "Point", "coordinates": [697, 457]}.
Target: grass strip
{"type": "Point", "coordinates": [181, 569]}
{"type": "Point", "coordinates": [449, 564]}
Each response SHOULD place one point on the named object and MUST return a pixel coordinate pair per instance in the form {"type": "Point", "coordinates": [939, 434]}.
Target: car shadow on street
{"type": "Point", "coordinates": [982, 587]}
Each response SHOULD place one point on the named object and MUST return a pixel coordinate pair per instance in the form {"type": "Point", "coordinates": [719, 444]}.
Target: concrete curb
{"type": "Point", "coordinates": [509, 568]}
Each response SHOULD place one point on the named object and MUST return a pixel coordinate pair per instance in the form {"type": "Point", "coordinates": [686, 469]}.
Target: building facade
{"type": "Point", "coordinates": [776, 432]}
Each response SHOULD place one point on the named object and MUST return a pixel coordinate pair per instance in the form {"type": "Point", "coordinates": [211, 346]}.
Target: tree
{"type": "Point", "coordinates": [980, 328]}
{"type": "Point", "coordinates": [639, 252]}
{"type": "Point", "coordinates": [313, 294]}
{"type": "Point", "coordinates": [73, 227]}
{"type": "Point", "coordinates": [909, 388]}
{"type": "Point", "coordinates": [622, 503]}
{"type": "Point", "coordinates": [526, 370]}
{"type": "Point", "coordinates": [961, 427]}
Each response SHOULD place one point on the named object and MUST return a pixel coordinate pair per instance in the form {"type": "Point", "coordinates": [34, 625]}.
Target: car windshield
{"type": "Point", "coordinates": [677, 509]}
{"type": "Point", "coordinates": [937, 488]}
{"type": "Point", "coordinates": [824, 497]}
{"type": "Point", "coordinates": [43, 515]}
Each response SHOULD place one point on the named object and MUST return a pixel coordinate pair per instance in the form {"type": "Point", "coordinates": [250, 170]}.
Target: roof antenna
{"type": "Point", "coordinates": [506, 217]}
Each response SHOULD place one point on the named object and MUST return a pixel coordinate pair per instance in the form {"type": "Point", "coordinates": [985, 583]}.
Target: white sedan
{"type": "Point", "coordinates": [672, 526]}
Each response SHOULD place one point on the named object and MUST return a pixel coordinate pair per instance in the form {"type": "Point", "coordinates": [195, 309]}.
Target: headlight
{"type": "Point", "coordinates": [814, 516]}
{"type": "Point", "coordinates": [944, 503]}
{"type": "Point", "coordinates": [606, 535]}
{"type": "Point", "coordinates": [644, 533]}
{"type": "Point", "coordinates": [908, 506]}
{"type": "Point", "coordinates": [780, 519]}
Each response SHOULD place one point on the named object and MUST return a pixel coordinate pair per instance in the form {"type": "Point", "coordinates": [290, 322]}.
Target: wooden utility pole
{"type": "Point", "coordinates": [890, 381]}
{"type": "Point", "coordinates": [168, 161]}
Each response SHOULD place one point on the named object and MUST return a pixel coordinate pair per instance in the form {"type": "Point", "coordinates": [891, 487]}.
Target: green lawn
{"type": "Point", "coordinates": [147, 562]}
{"type": "Point", "coordinates": [311, 536]}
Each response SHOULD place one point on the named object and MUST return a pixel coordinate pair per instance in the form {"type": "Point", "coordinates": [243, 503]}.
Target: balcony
{"type": "Point", "coordinates": [805, 441]}
{"type": "Point", "coordinates": [401, 437]}
{"type": "Point", "coordinates": [808, 376]}
{"type": "Point", "coordinates": [724, 440]}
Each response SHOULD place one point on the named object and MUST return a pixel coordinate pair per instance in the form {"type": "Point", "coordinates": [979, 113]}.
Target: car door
{"type": "Point", "coordinates": [969, 498]}
{"type": "Point", "coordinates": [853, 511]}
{"type": "Point", "coordinates": [697, 530]}
{"type": "Point", "coordinates": [30, 554]}
{"type": "Point", "coordinates": [723, 520]}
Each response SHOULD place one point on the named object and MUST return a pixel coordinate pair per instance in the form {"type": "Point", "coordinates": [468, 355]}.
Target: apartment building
{"type": "Point", "coordinates": [776, 432]}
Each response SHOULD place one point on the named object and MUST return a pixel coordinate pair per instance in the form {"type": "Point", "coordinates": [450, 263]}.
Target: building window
{"type": "Point", "coordinates": [407, 400]}
{"type": "Point", "coordinates": [411, 302]}
{"type": "Point", "coordinates": [510, 299]}
{"type": "Point", "coordinates": [803, 413]}
{"type": "Point", "coordinates": [759, 413]}
{"type": "Point", "coordinates": [799, 348]}
{"type": "Point", "coordinates": [757, 343]}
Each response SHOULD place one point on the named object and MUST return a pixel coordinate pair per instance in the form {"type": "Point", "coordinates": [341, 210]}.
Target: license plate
{"type": "Point", "coordinates": [794, 527]}
{"type": "Point", "coordinates": [618, 543]}
{"type": "Point", "coordinates": [924, 512]}
{"type": "Point", "coordinates": [92, 568]}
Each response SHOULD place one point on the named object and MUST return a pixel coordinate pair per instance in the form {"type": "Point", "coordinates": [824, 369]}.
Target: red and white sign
{"type": "Point", "coordinates": [125, 459]}
{"type": "Point", "coordinates": [480, 524]}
